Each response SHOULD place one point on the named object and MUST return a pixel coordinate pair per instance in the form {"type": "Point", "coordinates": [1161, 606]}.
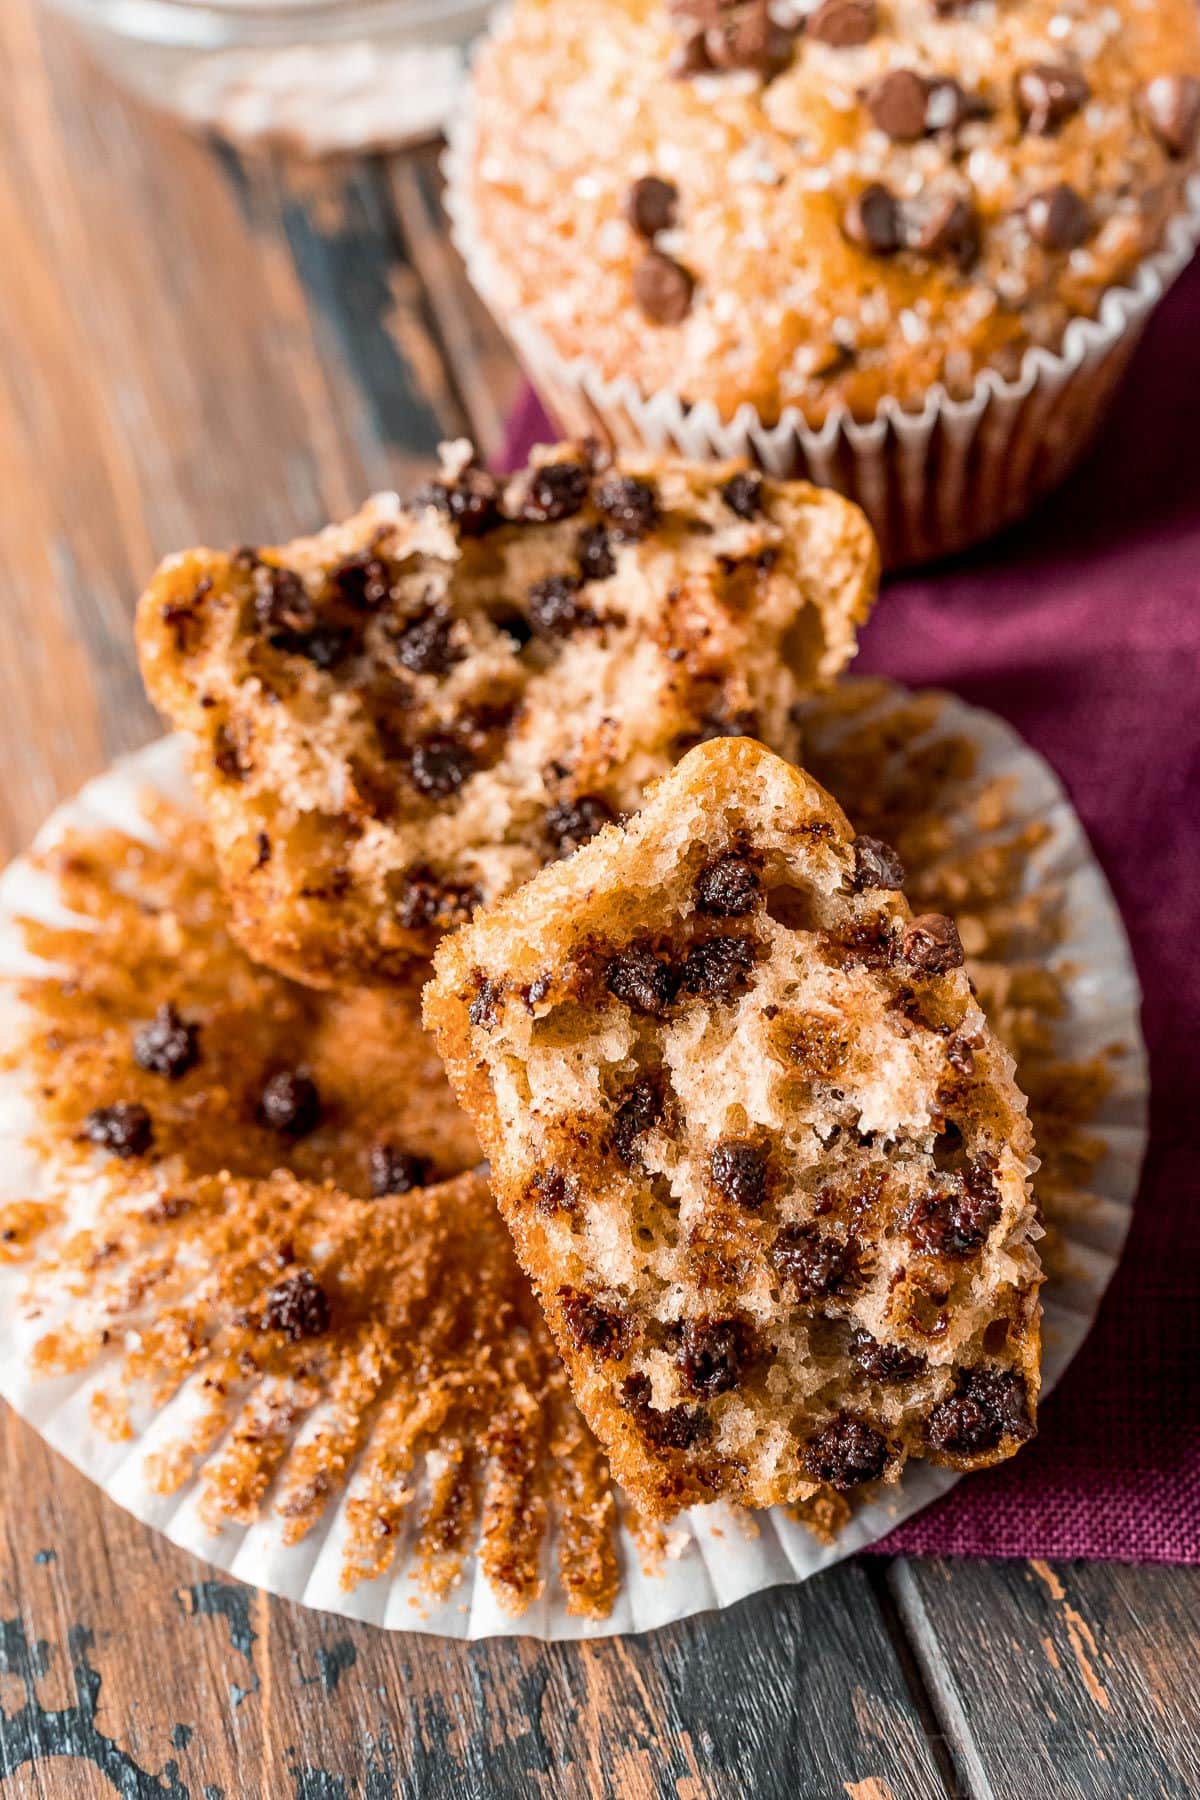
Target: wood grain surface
{"type": "Point", "coordinates": [199, 347]}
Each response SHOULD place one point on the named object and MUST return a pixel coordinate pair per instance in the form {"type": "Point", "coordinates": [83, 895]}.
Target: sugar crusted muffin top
{"type": "Point", "coordinates": [411, 712]}
{"type": "Point", "coordinates": [810, 205]}
{"type": "Point", "coordinates": [760, 1154]}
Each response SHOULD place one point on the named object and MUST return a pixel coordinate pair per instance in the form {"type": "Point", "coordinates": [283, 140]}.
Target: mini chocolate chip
{"type": "Point", "coordinates": [988, 1404]}
{"type": "Point", "coordinates": [570, 823]}
{"type": "Point", "coordinates": [168, 1045]}
{"type": "Point", "coordinates": [842, 23]}
{"type": "Point", "coordinates": [663, 288]}
{"type": "Point", "coordinates": [472, 503]}
{"type": "Point", "coordinates": [182, 616]}
{"type": "Point", "coordinates": [554, 606]}
{"type": "Point", "coordinates": [553, 1192]}
{"type": "Point", "coordinates": [363, 581]}
{"type": "Point", "coordinates": [324, 644]}
{"type": "Point", "coordinates": [953, 1221]}
{"type": "Point", "coordinates": [645, 982]}
{"type": "Point", "coordinates": [727, 888]}
{"type": "Point", "coordinates": [651, 205]}
{"type": "Point", "coordinates": [394, 1171]}
{"type": "Point", "coordinates": [592, 1326]}
{"type": "Point", "coordinates": [640, 1110]}
{"type": "Point", "coordinates": [743, 494]}
{"type": "Point", "coordinates": [440, 765]}
{"type": "Point", "coordinates": [960, 1055]}
{"type": "Point", "coordinates": [672, 1428]}
{"type": "Point", "coordinates": [423, 645]}
{"type": "Point", "coordinates": [884, 1363]}
{"type": "Point", "coordinates": [746, 36]}
{"type": "Point", "coordinates": [931, 945]}
{"type": "Point", "coordinates": [740, 1170]}
{"type": "Point", "coordinates": [488, 996]}
{"type": "Point", "coordinates": [427, 902]}
{"type": "Point", "coordinates": [846, 1453]}
{"type": "Point", "coordinates": [872, 220]}
{"type": "Point", "coordinates": [1058, 218]}
{"type": "Point", "coordinates": [630, 505]}
{"type": "Point", "coordinates": [298, 1307]}
{"type": "Point", "coordinates": [1170, 105]}
{"type": "Point", "coordinates": [556, 491]}
{"type": "Point", "coordinates": [714, 1355]}
{"type": "Point", "coordinates": [229, 759]}
{"type": "Point", "coordinates": [897, 104]}
{"type": "Point", "coordinates": [281, 602]}
{"type": "Point", "coordinates": [813, 1264]}
{"type": "Point", "coordinates": [596, 560]}
{"type": "Point", "coordinates": [1047, 95]}
{"type": "Point", "coordinates": [869, 945]}
{"type": "Point", "coordinates": [262, 850]}
{"type": "Point", "coordinates": [718, 968]}
{"type": "Point", "coordinates": [947, 226]}
{"type": "Point", "coordinates": [290, 1103]}
{"type": "Point", "coordinates": [125, 1128]}
{"type": "Point", "coordinates": [876, 865]}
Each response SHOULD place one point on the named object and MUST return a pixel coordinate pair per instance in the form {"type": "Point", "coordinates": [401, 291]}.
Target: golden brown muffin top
{"type": "Point", "coordinates": [808, 205]}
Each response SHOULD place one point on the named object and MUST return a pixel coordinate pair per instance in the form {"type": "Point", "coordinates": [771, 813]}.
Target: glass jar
{"type": "Point", "coordinates": [321, 75]}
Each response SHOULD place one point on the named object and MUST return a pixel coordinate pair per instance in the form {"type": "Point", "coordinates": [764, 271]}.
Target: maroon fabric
{"type": "Point", "coordinates": [1082, 627]}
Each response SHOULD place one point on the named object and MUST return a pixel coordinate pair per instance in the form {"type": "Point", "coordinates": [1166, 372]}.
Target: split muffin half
{"type": "Point", "coordinates": [762, 1158]}
{"type": "Point", "coordinates": [406, 716]}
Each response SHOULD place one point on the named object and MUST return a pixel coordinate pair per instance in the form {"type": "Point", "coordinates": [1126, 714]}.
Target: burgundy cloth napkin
{"type": "Point", "coordinates": [1082, 628]}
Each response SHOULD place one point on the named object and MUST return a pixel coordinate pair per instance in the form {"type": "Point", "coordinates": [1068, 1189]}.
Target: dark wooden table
{"type": "Point", "coordinates": [196, 347]}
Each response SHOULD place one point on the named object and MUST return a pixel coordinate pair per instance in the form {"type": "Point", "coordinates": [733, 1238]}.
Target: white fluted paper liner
{"type": "Point", "coordinates": [717, 1556]}
{"type": "Point", "coordinates": [931, 481]}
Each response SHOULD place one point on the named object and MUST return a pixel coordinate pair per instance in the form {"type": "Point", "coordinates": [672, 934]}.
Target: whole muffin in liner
{"type": "Point", "coordinates": [677, 267]}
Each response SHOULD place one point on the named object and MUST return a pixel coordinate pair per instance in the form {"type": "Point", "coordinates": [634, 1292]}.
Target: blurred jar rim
{"type": "Point", "coordinates": [319, 75]}
{"type": "Point", "coordinates": [207, 23]}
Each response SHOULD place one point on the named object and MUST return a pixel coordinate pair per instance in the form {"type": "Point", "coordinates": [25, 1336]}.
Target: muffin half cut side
{"type": "Point", "coordinates": [760, 1154]}
{"type": "Point", "coordinates": [409, 714]}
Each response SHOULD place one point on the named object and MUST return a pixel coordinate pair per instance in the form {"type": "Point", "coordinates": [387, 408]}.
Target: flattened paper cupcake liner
{"type": "Point", "coordinates": [932, 481]}
{"type": "Point", "coordinates": [712, 1556]}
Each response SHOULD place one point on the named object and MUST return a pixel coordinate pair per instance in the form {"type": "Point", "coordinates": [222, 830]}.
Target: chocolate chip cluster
{"type": "Point", "coordinates": [906, 106]}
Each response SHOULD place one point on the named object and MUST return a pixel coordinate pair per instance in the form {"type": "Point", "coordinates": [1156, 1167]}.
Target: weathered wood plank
{"type": "Point", "coordinates": [1071, 1679]}
{"type": "Point", "coordinates": [796, 1694]}
{"type": "Point", "coordinates": [482, 365]}
{"type": "Point", "coordinates": [124, 1654]}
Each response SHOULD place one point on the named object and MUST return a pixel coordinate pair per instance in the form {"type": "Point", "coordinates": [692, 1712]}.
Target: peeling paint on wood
{"type": "Point", "coordinates": [1071, 1679]}
{"type": "Point", "coordinates": [35, 1734]}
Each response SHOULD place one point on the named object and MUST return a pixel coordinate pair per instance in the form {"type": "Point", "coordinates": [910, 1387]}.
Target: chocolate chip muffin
{"type": "Point", "coordinates": [412, 712]}
{"type": "Point", "coordinates": [760, 1154]}
{"type": "Point", "coordinates": [765, 225]}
